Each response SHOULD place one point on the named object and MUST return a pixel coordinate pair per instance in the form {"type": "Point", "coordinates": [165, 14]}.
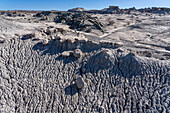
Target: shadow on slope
{"type": "Point", "coordinates": [126, 66]}
{"type": "Point", "coordinates": [55, 47]}
{"type": "Point", "coordinates": [71, 90]}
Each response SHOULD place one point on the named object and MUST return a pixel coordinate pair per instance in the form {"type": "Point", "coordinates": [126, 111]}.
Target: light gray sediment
{"type": "Point", "coordinates": [37, 78]}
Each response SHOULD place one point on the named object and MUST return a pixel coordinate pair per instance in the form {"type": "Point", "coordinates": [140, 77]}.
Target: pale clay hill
{"type": "Point", "coordinates": [52, 62]}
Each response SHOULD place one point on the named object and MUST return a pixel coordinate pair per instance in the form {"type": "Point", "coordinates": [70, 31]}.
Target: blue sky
{"type": "Point", "coordinates": [87, 4]}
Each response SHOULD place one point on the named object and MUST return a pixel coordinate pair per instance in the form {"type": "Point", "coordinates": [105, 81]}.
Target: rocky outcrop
{"type": "Point", "coordinates": [79, 21]}
{"type": "Point", "coordinates": [117, 10]}
{"type": "Point", "coordinates": [43, 13]}
{"type": "Point", "coordinates": [111, 9]}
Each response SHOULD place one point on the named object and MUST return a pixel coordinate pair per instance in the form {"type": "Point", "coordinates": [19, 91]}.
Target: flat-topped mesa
{"type": "Point", "coordinates": [112, 8]}
{"type": "Point", "coordinates": [160, 8]}
{"type": "Point", "coordinates": [77, 9]}
{"type": "Point", "coordinates": [116, 9]}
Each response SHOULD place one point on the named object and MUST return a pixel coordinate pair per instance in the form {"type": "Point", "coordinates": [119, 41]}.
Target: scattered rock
{"type": "Point", "coordinates": [80, 83]}
{"type": "Point", "coordinates": [118, 44]}
{"type": "Point", "coordinates": [120, 50]}
{"type": "Point", "coordinates": [50, 31]}
{"type": "Point", "coordinates": [2, 40]}
{"type": "Point", "coordinates": [28, 36]}
{"type": "Point", "coordinates": [57, 37]}
{"type": "Point", "coordinates": [149, 55]}
{"type": "Point", "coordinates": [44, 41]}
{"type": "Point", "coordinates": [60, 29]}
{"type": "Point", "coordinates": [106, 43]}
{"type": "Point", "coordinates": [66, 53]}
{"type": "Point", "coordinates": [77, 53]}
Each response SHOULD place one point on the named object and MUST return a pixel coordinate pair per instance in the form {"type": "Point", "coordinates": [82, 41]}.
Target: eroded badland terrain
{"type": "Point", "coordinates": [109, 60]}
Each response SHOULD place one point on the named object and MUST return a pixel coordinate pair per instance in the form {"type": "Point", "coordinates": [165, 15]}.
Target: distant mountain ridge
{"type": "Point", "coordinates": [109, 10]}
{"type": "Point", "coordinates": [116, 9]}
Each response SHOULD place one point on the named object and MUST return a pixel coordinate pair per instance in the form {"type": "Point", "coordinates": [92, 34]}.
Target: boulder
{"type": "Point", "coordinates": [80, 83]}
{"type": "Point", "coordinates": [2, 40]}
{"type": "Point", "coordinates": [118, 44]}
{"type": "Point", "coordinates": [44, 41]}
{"type": "Point", "coordinates": [114, 7]}
{"type": "Point", "coordinates": [77, 53]}
{"type": "Point", "coordinates": [49, 31]}
{"type": "Point", "coordinates": [66, 53]}
{"type": "Point", "coordinates": [120, 50]}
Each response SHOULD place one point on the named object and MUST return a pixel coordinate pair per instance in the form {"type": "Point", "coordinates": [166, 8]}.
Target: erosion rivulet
{"type": "Point", "coordinates": [84, 62]}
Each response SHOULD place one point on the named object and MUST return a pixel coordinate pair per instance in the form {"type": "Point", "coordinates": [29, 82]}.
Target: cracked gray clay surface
{"type": "Point", "coordinates": [37, 77]}
{"type": "Point", "coordinates": [36, 82]}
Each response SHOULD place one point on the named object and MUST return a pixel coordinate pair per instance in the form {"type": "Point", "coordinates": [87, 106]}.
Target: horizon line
{"type": "Point", "coordinates": [76, 7]}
